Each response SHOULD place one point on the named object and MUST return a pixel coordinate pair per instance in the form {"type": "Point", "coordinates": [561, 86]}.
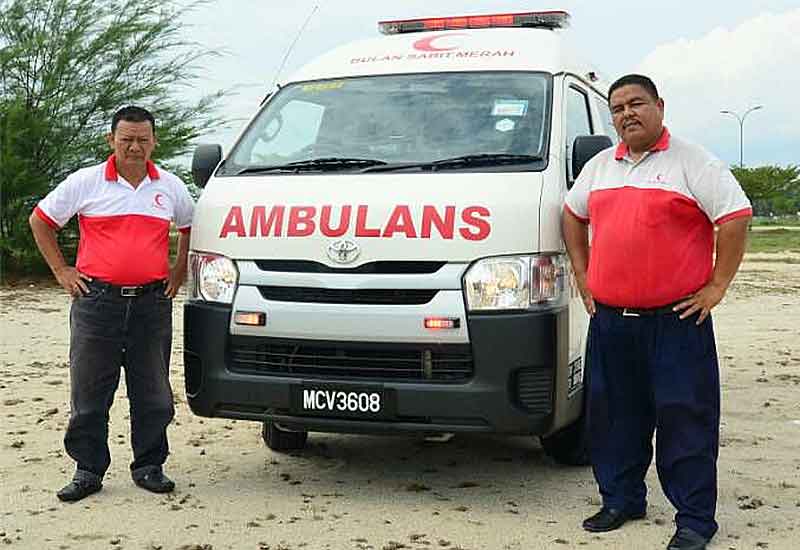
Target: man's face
{"type": "Point", "coordinates": [133, 143]}
{"type": "Point", "coordinates": [638, 116]}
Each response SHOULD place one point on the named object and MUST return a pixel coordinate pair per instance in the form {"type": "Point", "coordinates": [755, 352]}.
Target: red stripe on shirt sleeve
{"type": "Point", "coordinates": [574, 215]}
{"type": "Point", "coordinates": [45, 218]}
{"type": "Point", "coordinates": [185, 230]}
{"type": "Point", "coordinates": [733, 215]}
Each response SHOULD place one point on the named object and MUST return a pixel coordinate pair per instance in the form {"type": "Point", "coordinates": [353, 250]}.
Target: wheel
{"type": "Point", "coordinates": [570, 446]}
{"type": "Point", "coordinates": [281, 440]}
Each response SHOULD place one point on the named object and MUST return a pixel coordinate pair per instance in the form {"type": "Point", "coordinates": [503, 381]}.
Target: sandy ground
{"type": "Point", "coordinates": [349, 492]}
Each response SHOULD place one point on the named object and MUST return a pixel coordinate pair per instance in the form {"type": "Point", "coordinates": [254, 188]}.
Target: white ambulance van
{"type": "Point", "coordinates": [380, 251]}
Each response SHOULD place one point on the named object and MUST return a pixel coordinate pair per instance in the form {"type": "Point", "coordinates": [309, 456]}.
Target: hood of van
{"type": "Point", "coordinates": [345, 220]}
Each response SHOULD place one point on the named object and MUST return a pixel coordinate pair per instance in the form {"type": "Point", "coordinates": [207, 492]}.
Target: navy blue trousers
{"type": "Point", "coordinates": [659, 374]}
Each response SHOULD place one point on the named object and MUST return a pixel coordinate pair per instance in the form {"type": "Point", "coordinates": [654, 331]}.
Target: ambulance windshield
{"type": "Point", "coordinates": [398, 119]}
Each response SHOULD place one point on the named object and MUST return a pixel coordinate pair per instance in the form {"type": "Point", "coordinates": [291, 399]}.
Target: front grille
{"type": "Point", "coordinates": [374, 361]}
{"type": "Point", "coordinates": [346, 296]}
{"type": "Point", "coordinates": [378, 268]}
{"type": "Point", "coordinates": [535, 390]}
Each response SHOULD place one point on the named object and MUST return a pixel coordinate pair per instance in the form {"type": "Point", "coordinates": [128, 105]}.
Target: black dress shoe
{"type": "Point", "coordinates": [78, 489]}
{"type": "Point", "coordinates": [156, 482]}
{"type": "Point", "coordinates": [608, 519]}
{"type": "Point", "coordinates": [687, 539]}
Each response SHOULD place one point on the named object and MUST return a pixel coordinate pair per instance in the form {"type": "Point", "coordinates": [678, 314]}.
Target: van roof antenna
{"type": "Point", "coordinates": [291, 47]}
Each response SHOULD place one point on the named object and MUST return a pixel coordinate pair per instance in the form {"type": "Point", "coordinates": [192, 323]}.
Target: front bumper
{"type": "Point", "coordinates": [511, 387]}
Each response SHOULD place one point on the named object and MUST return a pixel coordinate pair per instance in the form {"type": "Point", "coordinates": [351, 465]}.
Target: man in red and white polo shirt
{"type": "Point", "coordinates": [650, 283]}
{"type": "Point", "coordinates": [122, 287]}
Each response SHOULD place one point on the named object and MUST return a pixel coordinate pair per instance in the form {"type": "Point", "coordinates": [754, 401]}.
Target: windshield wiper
{"type": "Point", "coordinates": [322, 164]}
{"type": "Point", "coordinates": [483, 159]}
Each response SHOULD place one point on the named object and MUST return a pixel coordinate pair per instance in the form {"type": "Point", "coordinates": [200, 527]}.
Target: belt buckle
{"type": "Point", "coordinates": [628, 313]}
{"type": "Point", "coordinates": [129, 291]}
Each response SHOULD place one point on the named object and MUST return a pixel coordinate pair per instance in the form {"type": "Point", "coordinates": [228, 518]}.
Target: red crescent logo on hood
{"type": "Point", "coordinates": [426, 44]}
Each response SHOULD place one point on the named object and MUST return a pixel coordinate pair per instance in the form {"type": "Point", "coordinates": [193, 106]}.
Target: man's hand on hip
{"type": "Point", "coordinates": [703, 301]}
{"type": "Point", "coordinates": [72, 280]}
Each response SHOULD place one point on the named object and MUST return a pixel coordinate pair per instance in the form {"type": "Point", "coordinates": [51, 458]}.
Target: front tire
{"type": "Point", "coordinates": [569, 446]}
{"type": "Point", "coordinates": [280, 440]}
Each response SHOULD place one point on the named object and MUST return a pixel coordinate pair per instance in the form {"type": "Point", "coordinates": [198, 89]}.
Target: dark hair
{"type": "Point", "coordinates": [133, 114]}
{"type": "Point", "coordinates": [634, 79]}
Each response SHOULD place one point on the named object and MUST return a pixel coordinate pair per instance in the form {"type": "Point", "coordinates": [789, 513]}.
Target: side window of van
{"type": "Point", "coordinates": [605, 119]}
{"type": "Point", "coordinates": [578, 122]}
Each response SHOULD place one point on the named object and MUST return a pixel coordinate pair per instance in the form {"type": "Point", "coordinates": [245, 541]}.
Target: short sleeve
{"type": "Point", "coordinates": [184, 208]}
{"type": "Point", "coordinates": [718, 193]}
{"type": "Point", "coordinates": [61, 203]}
{"type": "Point", "coordinates": [577, 201]}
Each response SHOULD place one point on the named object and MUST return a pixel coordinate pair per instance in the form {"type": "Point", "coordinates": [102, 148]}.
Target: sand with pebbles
{"type": "Point", "coordinates": [358, 492]}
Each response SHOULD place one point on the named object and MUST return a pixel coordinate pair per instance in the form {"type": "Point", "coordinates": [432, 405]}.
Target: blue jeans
{"type": "Point", "coordinates": [109, 331]}
{"type": "Point", "coordinates": [655, 373]}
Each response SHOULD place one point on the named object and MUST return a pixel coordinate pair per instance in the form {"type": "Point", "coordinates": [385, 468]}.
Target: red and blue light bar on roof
{"type": "Point", "coordinates": [534, 19]}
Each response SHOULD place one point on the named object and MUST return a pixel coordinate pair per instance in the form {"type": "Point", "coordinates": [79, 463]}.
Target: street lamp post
{"type": "Point", "coordinates": [741, 128]}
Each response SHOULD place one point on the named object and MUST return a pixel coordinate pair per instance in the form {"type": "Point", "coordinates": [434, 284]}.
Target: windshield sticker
{"type": "Point", "coordinates": [504, 125]}
{"type": "Point", "coordinates": [510, 107]}
{"type": "Point", "coordinates": [323, 86]}
{"type": "Point", "coordinates": [457, 55]}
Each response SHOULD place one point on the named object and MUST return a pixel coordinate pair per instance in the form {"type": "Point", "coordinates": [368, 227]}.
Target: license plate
{"type": "Point", "coordinates": [340, 401]}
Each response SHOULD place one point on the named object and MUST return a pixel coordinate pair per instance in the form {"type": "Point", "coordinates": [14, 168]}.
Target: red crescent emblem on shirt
{"type": "Point", "coordinates": [157, 199]}
{"type": "Point", "coordinates": [426, 44]}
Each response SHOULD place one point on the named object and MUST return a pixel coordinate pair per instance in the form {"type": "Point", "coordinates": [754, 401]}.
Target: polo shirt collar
{"type": "Point", "coordinates": [661, 145]}
{"type": "Point", "coordinates": [113, 175]}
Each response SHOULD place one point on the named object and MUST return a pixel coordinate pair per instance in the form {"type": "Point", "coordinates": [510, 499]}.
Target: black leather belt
{"type": "Point", "coordinates": [641, 312]}
{"type": "Point", "coordinates": [127, 291]}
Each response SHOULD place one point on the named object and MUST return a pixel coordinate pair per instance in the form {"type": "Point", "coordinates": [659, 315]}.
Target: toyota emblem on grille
{"type": "Point", "coordinates": [343, 251]}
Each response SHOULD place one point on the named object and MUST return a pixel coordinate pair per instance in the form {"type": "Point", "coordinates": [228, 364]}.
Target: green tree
{"type": "Point", "coordinates": [771, 189]}
{"type": "Point", "coordinates": [65, 67]}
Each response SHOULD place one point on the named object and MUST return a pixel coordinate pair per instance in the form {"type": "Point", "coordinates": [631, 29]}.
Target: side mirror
{"type": "Point", "coordinates": [205, 160]}
{"type": "Point", "coordinates": [584, 148]}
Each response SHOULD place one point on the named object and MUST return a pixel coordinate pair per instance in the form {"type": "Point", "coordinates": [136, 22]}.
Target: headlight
{"type": "Point", "coordinates": [214, 277]}
{"type": "Point", "coordinates": [516, 282]}
{"type": "Point", "coordinates": [549, 280]}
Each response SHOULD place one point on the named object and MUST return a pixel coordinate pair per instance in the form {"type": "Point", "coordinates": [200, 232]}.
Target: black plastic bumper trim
{"type": "Point", "coordinates": [502, 346]}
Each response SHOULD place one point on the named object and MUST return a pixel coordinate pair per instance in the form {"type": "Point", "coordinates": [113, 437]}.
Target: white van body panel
{"type": "Point", "coordinates": [335, 322]}
{"type": "Point", "coordinates": [496, 49]}
{"type": "Point", "coordinates": [511, 200]}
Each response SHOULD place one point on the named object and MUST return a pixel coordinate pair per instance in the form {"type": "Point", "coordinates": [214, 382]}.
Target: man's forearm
{"type": "Point", "coordinates": [731, 244]}
{"type": "Point", "coordinates": [182, 254]}
{"type": "Point", "coordinates": [576, 238]}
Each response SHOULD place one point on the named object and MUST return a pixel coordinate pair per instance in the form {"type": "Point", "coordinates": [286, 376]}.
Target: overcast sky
{"type": "Point", "coordinates": [705, 56]}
